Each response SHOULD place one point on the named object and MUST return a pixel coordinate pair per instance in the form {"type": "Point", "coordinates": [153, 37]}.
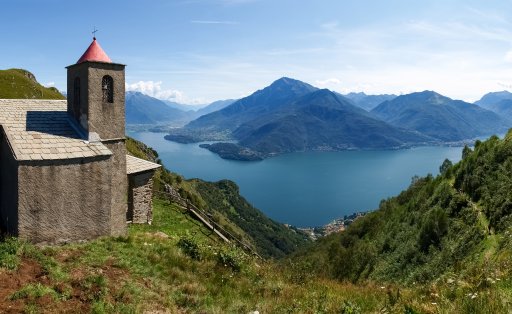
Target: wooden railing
{"type": "Point", "coordinates": [206, 219]}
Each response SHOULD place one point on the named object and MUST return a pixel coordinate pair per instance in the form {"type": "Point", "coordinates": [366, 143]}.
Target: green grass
{"type": "Point", "coordinates": [149, 270]}
{"type": "Point", "coordinates": [21, 84]}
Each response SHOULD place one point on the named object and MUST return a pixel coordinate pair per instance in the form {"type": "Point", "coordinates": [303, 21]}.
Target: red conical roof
{"type": "Point", "coordinates": [94, 53]}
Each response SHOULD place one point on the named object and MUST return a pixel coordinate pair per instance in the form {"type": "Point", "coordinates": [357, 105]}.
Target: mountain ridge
{"type": "Point", "coordinates": [498, 102]}
{"type": "Point", "coordinates": [440, 117]}
{"type": "Point", "coordinates": [274, 120]}
{"type": "Point", "coordinates": [368, 102]}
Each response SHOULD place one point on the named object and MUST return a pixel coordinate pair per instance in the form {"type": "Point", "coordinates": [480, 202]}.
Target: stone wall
{"type": "Point", "coordinates": [106, 119]}
{"type": "Point", "coordinates": [119, 187]}
{"type": "Point", "coordinates": [140, 199]}
{"type": "Point", "coordinates": [78, 71]}
{"type": "Point", "coordinates": [8, 188]}
{"type": "Point", "coordinates": [65, 200]}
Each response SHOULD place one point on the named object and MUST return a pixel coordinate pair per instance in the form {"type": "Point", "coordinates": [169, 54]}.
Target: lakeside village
{"type": "Point", "coordinates": [337, 225]}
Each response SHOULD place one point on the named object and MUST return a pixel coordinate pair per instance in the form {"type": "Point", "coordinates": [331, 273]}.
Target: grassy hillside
{"type": "Point", "coordinates": [172, 266]}
{"type": "Point", "coordinates": [223, 202]}
{"type": "Point", "coordinates": [451, 231]}
{"type": "Point", "coordinates": [442, 246]}
{"type": "Point", "coordinates": [21, 84]}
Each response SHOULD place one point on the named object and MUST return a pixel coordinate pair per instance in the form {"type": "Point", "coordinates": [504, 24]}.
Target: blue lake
{"type": "Point", "coordinates": [307, 189]}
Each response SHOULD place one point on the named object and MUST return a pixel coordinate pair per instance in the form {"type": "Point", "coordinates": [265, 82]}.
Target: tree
{"type": "Point", "coordinates": [466, 151]}
{"type": "Point", "coordinates": [447, 164]}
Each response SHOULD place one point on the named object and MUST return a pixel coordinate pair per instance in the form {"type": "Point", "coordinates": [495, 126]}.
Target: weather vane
{"type": "Point", "coordinates": [94, 32]}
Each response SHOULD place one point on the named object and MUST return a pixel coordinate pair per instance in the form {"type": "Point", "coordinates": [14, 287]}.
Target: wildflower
{"type": "Point", "coordinates": [472, 295]}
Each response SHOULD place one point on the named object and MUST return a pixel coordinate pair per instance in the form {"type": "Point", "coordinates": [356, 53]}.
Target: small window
{"type": "Point", "coordinates": [76, 97]}
{"type": "Point", "coordinates": [107, 86]}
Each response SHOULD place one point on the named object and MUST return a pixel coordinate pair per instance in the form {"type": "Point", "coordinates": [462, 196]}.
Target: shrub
{"type": "Point", "coordinates": [349, 308]}
{"type": "Point", "coordinates": [433, 229]}
{"type": "Point", "coordinates": [9, 251]}
{"type": "Point", "coordinates": [231, 258]}
{"type": "Point", "coordinates": [190, 247]}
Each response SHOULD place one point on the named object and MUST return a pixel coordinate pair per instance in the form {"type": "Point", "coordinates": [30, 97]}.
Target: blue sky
{"type": "Point", "coordinates": [197, 51]}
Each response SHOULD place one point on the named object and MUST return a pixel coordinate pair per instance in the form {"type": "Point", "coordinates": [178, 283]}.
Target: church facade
{"type": "Point", "coordinates": [64, 171]}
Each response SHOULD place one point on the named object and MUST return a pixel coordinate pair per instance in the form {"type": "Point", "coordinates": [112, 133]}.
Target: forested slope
{"type": "Point", "coordinates": [455, 225]}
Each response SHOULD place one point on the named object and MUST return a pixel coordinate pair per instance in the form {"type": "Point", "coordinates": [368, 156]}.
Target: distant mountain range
{"type": "Point", "coordinates": [498, 102]}
{"type": "Point", "coordinates": [440, 117]}
{"type": "Point", "coordinates": [320, 120]}
{"type": "Point", "coordinates": [368, 102]}
{"type": "Point", "coordinates": [184, 107]}
{"type": "Point", "coordinates": [290, 115]}
{"type": "Point", "coordinates": [142, 109]}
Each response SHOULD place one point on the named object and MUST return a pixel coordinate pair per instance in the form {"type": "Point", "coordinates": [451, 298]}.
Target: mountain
{"type": "Point", "coordinates": [214, 106]}
{"type": "Point", "coordinates": [440, 117]}
{"type": "Point", "coordinates": [144, 109]}
{"type": "Point", "coordinates": [368, 102]}
{"type": "Point", "coordinates": [320, 120]}
{"type": "Point", "coordinates": [21, 84]}
{"type": "Point", "coordinates": [498, 102]}
{"type": "Point", "coordinates": [493, 98]}
{"type": "Point", "coordinates": [183, 107]}
{"type": "Point", "coordinates": [503, 108]}
{"type": "Point", "coordinates": [200, 110]}
{"type": "Point", "coordinates": [268, 99]}
{"type": "Point", "coordinates": [290, 115]}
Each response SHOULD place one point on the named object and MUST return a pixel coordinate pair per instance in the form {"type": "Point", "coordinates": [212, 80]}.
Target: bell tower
{"type": "Point", "coordinates": [96, 94]}
{"type": "Point", "coordinates": [96, 106]}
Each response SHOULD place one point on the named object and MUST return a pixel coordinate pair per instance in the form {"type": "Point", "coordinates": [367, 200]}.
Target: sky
{"type": "Point", "coordinates": [199, 51]}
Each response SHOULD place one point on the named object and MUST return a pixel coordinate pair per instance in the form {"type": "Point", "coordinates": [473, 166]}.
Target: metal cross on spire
{"type": "Point", "coordinates": [94, 33]}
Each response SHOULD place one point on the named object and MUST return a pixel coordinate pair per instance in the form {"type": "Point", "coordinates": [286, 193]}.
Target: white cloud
{"type": "Point", "coordinates": [49, 84]}
{"type": "Point", "coordinates": [154, 89]}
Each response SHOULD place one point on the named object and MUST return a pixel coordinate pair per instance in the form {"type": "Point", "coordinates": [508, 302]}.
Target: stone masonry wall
{"type": "Point", "coordinates": [119, 184]}
{"type": "Point", "coordinates": [106, 119]}
{"type": "Point", "coordinates": [141, 193]}
{"type": "Point", "coordinates": [78, 71]}
{"type": "Point", "coordinates": [65, 200]}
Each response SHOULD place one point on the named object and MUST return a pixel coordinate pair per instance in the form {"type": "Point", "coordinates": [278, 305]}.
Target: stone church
{"type": "Point", "coordinates": [64, 172]}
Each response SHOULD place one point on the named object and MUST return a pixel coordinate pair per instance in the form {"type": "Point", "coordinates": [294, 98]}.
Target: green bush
{"type": "Point", "coordinates": [349, 308]}
{"type": "Point", "coordinates": [9, 253]}
{"type": "Point", "coordinates": [231, 258]}
{"type": "Point", "coordinates": [190, 247]}
{"type": "Point", "coordinates": [433, 229]}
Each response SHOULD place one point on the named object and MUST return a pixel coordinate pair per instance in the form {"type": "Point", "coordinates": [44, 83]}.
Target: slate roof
{"type": "Point", "coordinates": [136, 165]}
{"type": "Point", "coordinates": [43, 130]}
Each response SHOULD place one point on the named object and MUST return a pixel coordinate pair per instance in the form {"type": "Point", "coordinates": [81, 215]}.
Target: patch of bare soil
{"type": "Point", "coordinates": [77, 295]}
